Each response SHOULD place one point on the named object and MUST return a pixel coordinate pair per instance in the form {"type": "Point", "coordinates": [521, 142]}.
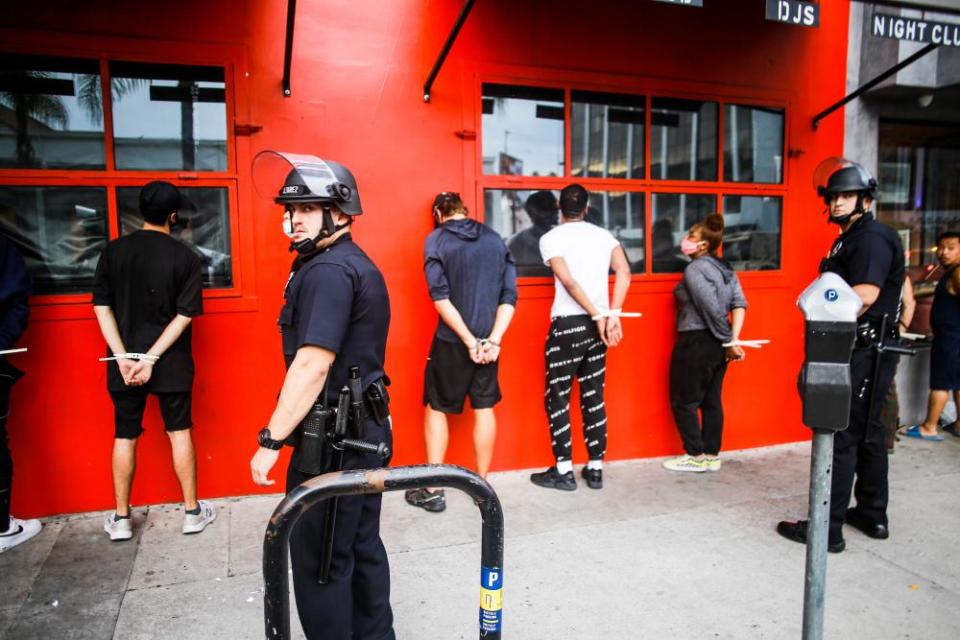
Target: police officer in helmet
{"type": "Point", "coordinates": [335, 317]}
{"type": "Point", "coordinates": [869, 257]}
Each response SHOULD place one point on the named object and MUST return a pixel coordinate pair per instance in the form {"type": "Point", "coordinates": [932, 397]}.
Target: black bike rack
{"type": "Point", "coordinates": [276, 597]}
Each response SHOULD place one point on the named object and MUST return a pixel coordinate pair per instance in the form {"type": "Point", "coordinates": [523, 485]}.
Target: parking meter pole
{"type": "Point", "coordinates": [817, 534]}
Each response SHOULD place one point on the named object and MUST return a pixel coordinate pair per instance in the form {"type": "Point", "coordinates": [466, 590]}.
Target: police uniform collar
{"type": "Point", "coordinates": [860, 222]}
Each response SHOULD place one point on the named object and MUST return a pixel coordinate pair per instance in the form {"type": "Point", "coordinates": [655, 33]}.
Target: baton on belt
{"type": "Point", "coordinates": [879, 348]}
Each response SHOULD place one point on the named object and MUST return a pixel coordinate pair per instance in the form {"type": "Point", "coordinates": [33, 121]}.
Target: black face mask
{"type": "Point", "coordinates": [308, 246]}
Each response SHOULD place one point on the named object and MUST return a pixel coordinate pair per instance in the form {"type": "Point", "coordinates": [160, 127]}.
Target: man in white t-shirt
{"type": "Point", "coordinates": [580, 255]}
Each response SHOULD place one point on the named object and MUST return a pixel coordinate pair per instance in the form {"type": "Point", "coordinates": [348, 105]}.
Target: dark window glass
{"type": "Point", "coordinates": [752, 144]}
{"type": "Point", "coordinates": [169, 117]}
{"type": "Point", "coordinates": [751, 233]}
{"type": "Point", "coordinates": [51, 113]}
{"type": "Point", "coordinates": [683, 139]}
{"type": "Point", "coordinates": [622, 214]}
{"type": "Point", "coordinates": [522, 130]}
{"type": "Point", "coordinates": [61, 232]}
{"type": "Point", "coordinates": [522, 217]}
{"type": "Point", "coordinates": [673, 214]}
{"type": "Point", "coordinates": [606, 135]}
{"type": "Point", "coordinates": [206, 230]}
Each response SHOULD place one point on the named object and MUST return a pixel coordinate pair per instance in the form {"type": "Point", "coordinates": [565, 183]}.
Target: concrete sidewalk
{"type": "Point", "coordinates": [654, 554]}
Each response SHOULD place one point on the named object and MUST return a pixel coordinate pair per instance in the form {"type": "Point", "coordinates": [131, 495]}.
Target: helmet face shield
{"type": "Point", "coordinates": [286, 178]}
{"type": "Point", "coordinates": [837, 175]}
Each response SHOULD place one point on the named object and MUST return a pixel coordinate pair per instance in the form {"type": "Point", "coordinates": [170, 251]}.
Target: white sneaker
{"type": "Point", "coordinates": [197, 523]}
{"type": "Point", "coordinates": [685, 463]}
{"type": "Point", "coordinates": [18, 531]}
{"type": "Point", "coordinates": [121, 529]}
{"type": "Point", "coordinates": [712, 464]}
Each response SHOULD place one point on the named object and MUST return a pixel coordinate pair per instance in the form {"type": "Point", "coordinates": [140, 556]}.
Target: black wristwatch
{"type": "Point", "coordinates": [264, 440]}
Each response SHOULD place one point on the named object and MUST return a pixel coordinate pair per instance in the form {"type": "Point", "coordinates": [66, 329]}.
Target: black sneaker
{"type": "Point", "coordinates": [553, 479]}
{"type": "Point", "coordinates": [872, 529]}
{"type": "Point", "coordinates": [797, 531]}
{"type": "Point", "coordinates": [432, 501]}
{"type": "Point", "coordinates": [594, 477]}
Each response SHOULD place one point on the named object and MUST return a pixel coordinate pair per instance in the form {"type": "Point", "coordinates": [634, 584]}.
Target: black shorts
{"type": "Point", "coordinates": [451, 376]}
{"type": "Point", "coordinates": [129, 404]}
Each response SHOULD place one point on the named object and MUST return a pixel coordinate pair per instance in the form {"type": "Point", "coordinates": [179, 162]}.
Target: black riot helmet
{"type": "Point", "coordinates": [289, 178]}
{"type": "Point", "coordinates": [835, 175]}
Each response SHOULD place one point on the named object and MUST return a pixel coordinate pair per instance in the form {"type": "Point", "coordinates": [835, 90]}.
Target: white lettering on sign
{"type": "Point", "coordinates": [805, 14]}
{"type": "Point", "coordinates": [915, 30]}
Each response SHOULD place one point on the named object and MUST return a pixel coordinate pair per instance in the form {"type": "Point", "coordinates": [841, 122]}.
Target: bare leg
{"type": "Point", "coordinates": [436, 433]}
{"type": "Point", "coordinates": [185, 465]}
{"type": "Point", "coordinates": [484, 436]}
{"type": "Point", "coordinates": [124, 462]}
{"type": "Point", "coordinates": [935, 405]}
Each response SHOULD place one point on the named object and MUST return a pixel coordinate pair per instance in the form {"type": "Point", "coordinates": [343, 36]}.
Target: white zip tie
{"type": "Point", "coordinates": [132, 356]}
{"type": "Point", "coordinates": [753, 344]}
{"type": "Point", "coordinates": [617, 313]}
{"type": "Point", "coordinates": [9, 351]}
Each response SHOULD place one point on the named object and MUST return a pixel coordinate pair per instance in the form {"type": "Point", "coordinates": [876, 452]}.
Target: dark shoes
{"type": "Point", "coordinates": [877, 531]}
{"type": "Point", "coordinates": [432, 501]}
{"type": "Point", "coordinates": [553, 479]}
{"type": "Point", "coordinates": [594, 477]}
{"type": "Point", "coordinates": [797, 531]}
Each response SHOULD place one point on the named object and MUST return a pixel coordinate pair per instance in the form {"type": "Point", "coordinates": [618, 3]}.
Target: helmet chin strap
{"type": "Point", "coordinates": [844, 219]}
{"type": "Point", "coordinates": [308, 246]}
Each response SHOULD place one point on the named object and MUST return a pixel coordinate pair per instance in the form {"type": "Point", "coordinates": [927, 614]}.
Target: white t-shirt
{"type": "Point", "coordinates": [586, 248]}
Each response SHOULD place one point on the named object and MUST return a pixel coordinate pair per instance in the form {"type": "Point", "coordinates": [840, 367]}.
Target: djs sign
{"type": "Point", "coordinates": [806, 14]}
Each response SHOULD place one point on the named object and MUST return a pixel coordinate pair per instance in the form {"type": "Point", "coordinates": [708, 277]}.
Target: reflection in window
{"type": "Point", "coordinates": [752, 144]}
{"type": "Point", "coordinates": [206, 230]}
{"type": "Point", "coordinates": [622, 214]}
{"type": "Point", "coordinates": [673, 215]}
{"type": "Point", "coordinates": [751, 234]}
{"type": "Point", "coordinates": [51, 113]}
{"type": "Point", "coordinates": [61, 232]}
{"type": "Point", "coordinates": [522, 130]}
{"type": "Point", "coordinates": [607, 135]}
{"type": "Point", "coordinates": [683, 139]}
{"type": "Point", "coordinates": [169, 117]}
{"type": "Point", "coordinates": [522, 217]}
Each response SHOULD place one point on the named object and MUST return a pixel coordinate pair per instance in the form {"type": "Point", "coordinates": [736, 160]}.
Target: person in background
{"type": "Point", "coordinates": [945, 353]}
{"type": "Point", "coordinates": [14, 294]}
{"type": "Point", "coordinates": [711, 310]}
{"type": "Point", "coordinates": [473, 285]}
{"type": "Point", "coordinates": [524, 246]}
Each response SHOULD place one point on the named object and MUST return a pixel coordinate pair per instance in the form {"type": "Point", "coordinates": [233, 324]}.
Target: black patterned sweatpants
{"type": "Point", "coordinates": [573, 349]}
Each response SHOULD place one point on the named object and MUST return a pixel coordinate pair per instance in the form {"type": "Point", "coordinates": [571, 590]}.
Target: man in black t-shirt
{"type": "Point", "coordinates": [869, 257]}
{"type": "Point", "coordinates": [146, 291]}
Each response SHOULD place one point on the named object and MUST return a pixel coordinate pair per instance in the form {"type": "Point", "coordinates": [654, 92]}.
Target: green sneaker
{"type": "Point", "coordinates": [712, 464]}
{"type": "Point", "coordinates": [685, 463]}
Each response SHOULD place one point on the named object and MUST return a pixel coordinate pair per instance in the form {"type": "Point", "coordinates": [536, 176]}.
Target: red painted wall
{"type": "Point", "coordinates": [358, 70]}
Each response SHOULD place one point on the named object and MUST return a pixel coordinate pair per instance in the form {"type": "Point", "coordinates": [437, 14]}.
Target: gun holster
{"type": "Point", "coordinates": [378, 400]}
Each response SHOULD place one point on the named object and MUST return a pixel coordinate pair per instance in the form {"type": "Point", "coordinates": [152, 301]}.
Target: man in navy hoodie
{"type": "Point", "coordinates": [472, 280]}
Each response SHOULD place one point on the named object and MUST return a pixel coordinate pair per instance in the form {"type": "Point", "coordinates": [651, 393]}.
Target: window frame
{"type": "Point", "coordinates": [231, 58]}
{"type": "Point", "coordinates": [649, 88]}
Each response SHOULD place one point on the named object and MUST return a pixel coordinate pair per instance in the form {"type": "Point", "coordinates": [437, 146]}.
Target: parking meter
{"type": "Point", "coordinates": [830, 307]}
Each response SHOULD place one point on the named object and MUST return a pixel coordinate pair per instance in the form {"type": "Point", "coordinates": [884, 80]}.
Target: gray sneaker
{"type": "Point", "coordinates": [121, 529]}
{"type": "Point", "coordinates": [433, 501]}
{"type": "Point", "coordinates": [195, 523]}
{"type": "Point", "coordinates": [17, 532]}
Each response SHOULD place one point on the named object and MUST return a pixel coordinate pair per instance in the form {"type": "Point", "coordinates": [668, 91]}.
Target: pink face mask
{"type": "Point", "coordinates": [688, 247]}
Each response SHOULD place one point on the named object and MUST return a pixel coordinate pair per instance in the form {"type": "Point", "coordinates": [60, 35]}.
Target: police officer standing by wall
{"type": "Point", "coordinates": [869, 257]}
{"type": "Point", "coordinates": [335, 317]}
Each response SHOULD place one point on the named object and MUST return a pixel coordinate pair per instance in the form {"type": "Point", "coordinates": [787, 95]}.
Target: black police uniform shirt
{"type": "Point", "coordinates": [148, 278]}
{"type": "Point", "coordinates": [337, 300]}
{"type": "Point", "coordinates": [870, 252]}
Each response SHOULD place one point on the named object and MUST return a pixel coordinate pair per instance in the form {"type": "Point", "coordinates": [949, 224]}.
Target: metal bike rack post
{"type": "Point", "coordinates": [276, 597]}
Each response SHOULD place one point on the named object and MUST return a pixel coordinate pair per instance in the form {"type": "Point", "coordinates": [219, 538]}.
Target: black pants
{"type": "Point", "coordinates": [697, 366]}
{"type": "Point", "coordinates": [354, 604]}
{"type": "Point", "coordinates": [574, 348]}
{"type": "Point", "coordinates": [8, 376]}
{"type": "Point", "coordinates": [859, 450]}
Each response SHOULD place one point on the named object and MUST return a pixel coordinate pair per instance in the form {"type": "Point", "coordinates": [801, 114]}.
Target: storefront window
{"type": "Point", "coordinates": [622, 214]}
{"type": "Point", "coordinates": [683, 139]}
{"type": "Point", "coordinates": [751, 234]}
{"type": "Point", "coordinates": [673, 215]}
{"type": "Point", "coordinates": [522, 130]}
{"type": "Point", "coordinates": [169, 117]}
{"type": "Point", "coordinates": [522, 217]}
{"type": "Point", "coordinates": [53, 113]}
{"type": "Point", "coordinates": [607, 135]}
{"type": "Point", "coordinates": [205, 227]}
{"type": "Point", "coordinates": [61, 232]}
{"type": "Point", "coordinates": [752, 144]}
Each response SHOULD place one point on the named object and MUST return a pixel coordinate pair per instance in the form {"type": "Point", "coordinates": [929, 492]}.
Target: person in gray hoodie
{"type": "Point", "coordinates": [710, 312]}
{"type": "Point", "coordinates": [473, 284]}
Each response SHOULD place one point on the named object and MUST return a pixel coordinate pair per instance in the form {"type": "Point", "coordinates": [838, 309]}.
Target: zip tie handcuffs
{"type": "Point", "coordinates": [9, 351]}
{"type": "Point", "coordinates": [132, 356]}
{"type": "Point", "coordinates": [753, 344]}
{"type": "Point", "coordinates": [616, 313]}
